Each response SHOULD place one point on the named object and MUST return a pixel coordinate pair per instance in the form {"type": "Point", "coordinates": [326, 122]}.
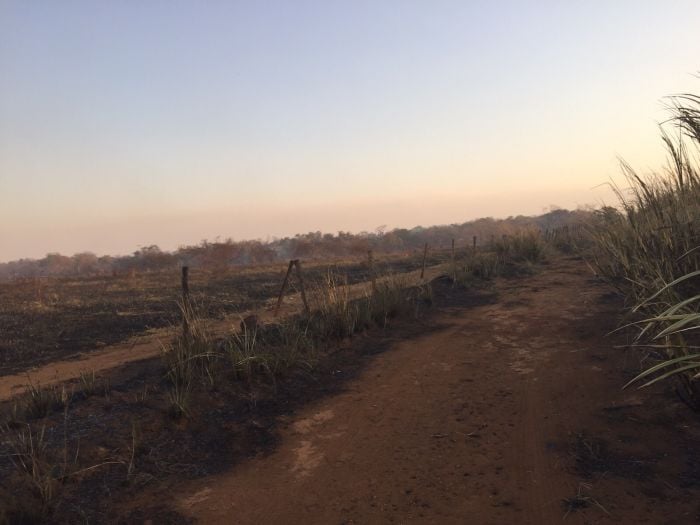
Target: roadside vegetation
{"type": "Point", "coordinates": [509, 256]}
{"type": "Point", "coordinates": [649, 249]}
{"type": "Point", "coordinates": [265, 355]}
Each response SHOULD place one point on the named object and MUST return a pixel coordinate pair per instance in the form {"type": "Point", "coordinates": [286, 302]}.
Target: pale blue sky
{"type": "Point", "coordinates": [132, 123]}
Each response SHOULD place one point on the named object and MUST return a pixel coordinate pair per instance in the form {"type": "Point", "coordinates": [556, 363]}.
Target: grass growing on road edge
{"type": "Point", "coordinates": [194, 359]}
{"type": "Point", "coordinates": [649, 248]}
{"type": "Point", "coordinates": [525, 246]}
{"type": "Point", "coordinates": [512, 255]}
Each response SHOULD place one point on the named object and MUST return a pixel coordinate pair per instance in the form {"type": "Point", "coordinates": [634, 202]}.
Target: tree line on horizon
{"type": "Point", "coordinates": [308, 246]}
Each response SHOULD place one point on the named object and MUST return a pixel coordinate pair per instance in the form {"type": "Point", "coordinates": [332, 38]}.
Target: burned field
{"type": "Point", "coordinates": [45, 319]}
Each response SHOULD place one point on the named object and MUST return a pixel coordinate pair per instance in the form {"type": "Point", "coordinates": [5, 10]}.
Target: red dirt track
{"type": "Point", "coordinates": [486, 419]}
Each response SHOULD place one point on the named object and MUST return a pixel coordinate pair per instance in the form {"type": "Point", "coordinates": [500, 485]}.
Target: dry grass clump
{"type": "Point", "coordinates": [652, 239]}
{"type": "Point", "coordinates": [338, 315]}
{"type": "Point", "coordinates": [270, 353]}
{"type": "Point", "coordinates": [179, 358]}
{"type": "Point", "coordinates": [30, 455]}
{"type": "Point", "coordinates": [574, 238]}
{"type": "Point", "coordinates": [289, 348]}
{"type": "Point", "coordinates": [484, 266]}
{"type": "Point", "coordinates": [88, 383]}
{"type": "Point", "coordinates": [38, 402]}
{"type": "Point", "coordinates": [511, 255]}
{"type": "Point", "coordinates": [242, 350]}
{"type": "Point", "coordinates": [648, 248]}
{"type": "Point", "coordinates": [40, 471]}
{"type": "Point", "coordinates": [393, 298]}
{"type": "Point", "coordinates": [188, 358]}
{"type": "Point", "coordinates": [524, 246]}
{"type": "Point", "coordinates": [43, 464]}
{"type": "Point", "coordinates": [195, 359]}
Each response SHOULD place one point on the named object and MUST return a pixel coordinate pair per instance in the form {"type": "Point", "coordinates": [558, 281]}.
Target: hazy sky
{"type": "Point", "coordinates": [130, 123]}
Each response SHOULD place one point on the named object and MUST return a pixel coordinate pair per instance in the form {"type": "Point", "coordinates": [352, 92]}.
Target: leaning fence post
{"type": "Point", "coordinates": [372, 276]}
{"type": "Point", "coordinates": [425, 254]}
{"type": "Point", "coordinates": [284, 287]}
{"type": "Point", "coordinates": [301, 285]}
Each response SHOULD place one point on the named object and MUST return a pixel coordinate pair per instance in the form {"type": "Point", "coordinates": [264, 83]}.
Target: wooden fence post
{"type": "Point", "coordinates": [293, 263]}
{"type": "Point", "coordinates": [372, 276]}
{"type": "Point", "coordinates": [284, 287]}
{"type": "Point", "coordinates": [301, 284]}
{"type": "Point", "coordinates": [425, 254]}
{"type": "Point", "coordinates": [474, 242]}
{"type": "Point", "coordinates": [454, 262]}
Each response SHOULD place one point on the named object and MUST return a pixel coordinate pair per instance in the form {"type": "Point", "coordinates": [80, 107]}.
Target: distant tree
{"type": "Point", "coordinates": [311, 245]}
{"type": "Point", "coordinates": [85, 263]}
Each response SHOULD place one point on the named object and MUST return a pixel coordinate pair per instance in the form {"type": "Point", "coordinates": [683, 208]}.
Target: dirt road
{"type": "Point", "coordinates": [506, 412]}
